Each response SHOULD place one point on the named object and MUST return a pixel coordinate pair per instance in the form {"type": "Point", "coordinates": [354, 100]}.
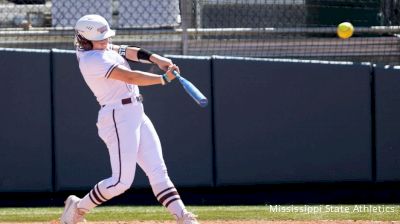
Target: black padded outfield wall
{"type": "Point", "coordinates": [387, 113]}
{"type": "Point", "coordinates": [287, 121]}
{"type": "Point", "coordinates": [25, 139]}
{"type": "Point", "coordinates": [184, 128]}
{"type": "Point", "coordinates": [268, 122]}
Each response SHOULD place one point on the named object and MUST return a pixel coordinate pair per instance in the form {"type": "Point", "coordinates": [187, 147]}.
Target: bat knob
{"type": "Point", "coordinates": [203, 102]}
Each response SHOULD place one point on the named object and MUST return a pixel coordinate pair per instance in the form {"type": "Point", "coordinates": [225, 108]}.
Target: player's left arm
{"type": "Point", "coordinates": [134, 53]}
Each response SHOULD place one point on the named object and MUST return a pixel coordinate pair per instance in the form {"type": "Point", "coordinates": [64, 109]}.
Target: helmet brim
{"type": "Point", "coordinates": [109, 33]}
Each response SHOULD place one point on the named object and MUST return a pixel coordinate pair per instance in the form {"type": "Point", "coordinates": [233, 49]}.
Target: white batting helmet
{"type": "Point", "coordinates": [94, 27]}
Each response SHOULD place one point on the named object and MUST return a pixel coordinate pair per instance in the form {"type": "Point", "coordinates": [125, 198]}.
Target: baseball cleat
{"type": "Point", "coordinates": [72, 214]}
{"type": "Point", "coordinates": [187, 218]}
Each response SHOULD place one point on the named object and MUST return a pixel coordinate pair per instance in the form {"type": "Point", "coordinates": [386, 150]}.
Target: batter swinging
{"type": "Point", "coordinates": [122, 124]}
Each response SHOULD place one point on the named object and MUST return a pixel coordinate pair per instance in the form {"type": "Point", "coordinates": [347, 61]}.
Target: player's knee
{"type": "Point", "coordinates": [118, 189]}
{"type": "Point", "coordinates": [113, 186]}
{"type": "Point", "coordinates": [121, 188]}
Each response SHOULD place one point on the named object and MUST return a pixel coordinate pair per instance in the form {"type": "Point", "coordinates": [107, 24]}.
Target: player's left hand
{"type": "Point", "coordinates": [170, 70]}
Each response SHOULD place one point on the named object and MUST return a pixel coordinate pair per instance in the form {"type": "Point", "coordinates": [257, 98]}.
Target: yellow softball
{"type": "Point", "coordinates": [345, 30]}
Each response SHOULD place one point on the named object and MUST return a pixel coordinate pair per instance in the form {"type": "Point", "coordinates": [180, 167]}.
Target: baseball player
{"type": "Point", "coordinates": [122, 124]}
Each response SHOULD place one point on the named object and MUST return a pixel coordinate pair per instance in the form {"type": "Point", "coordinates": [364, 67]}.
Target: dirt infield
{"type": "Point", "coordinates": [232, 222]}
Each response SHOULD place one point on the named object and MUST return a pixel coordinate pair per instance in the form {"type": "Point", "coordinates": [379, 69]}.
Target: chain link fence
{"type": "Point", "coordinates": [303, 29]}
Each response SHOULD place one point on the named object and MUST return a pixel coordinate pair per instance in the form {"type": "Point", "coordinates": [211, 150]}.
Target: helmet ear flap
{"type": "Point", "coordinates": [83, 43]}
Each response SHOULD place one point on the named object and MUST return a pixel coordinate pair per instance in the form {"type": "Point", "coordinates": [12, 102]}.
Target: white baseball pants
{"type": "Point", "coordinates": [131, 138]}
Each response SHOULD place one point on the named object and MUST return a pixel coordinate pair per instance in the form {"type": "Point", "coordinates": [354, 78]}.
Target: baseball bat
{"type": "Point", "coordinates": [192, 90]}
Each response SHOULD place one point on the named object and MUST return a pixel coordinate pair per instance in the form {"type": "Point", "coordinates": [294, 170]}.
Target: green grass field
{"type": "Point", "coordinates": [266, 212]}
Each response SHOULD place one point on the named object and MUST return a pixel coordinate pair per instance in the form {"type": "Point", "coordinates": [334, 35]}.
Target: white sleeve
{"type": "Point", "coordinates": [97, 66]}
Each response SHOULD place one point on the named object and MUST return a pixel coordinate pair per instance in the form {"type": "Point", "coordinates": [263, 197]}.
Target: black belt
{"type": "Point", "coordinates": [129, 100]}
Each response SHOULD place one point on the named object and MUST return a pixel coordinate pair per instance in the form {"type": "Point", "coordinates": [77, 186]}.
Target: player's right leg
{"type": "Point", "coordinates": [150, 159]}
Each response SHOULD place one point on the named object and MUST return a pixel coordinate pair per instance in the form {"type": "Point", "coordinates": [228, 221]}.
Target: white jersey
{"type": "Point", "coordinates": [96, 67]}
